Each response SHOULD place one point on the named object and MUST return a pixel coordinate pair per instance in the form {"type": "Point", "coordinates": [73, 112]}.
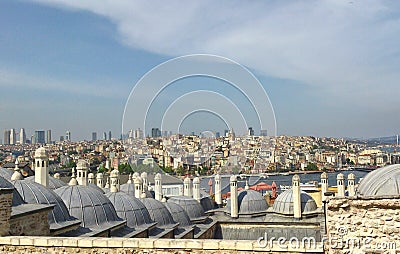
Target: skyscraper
{"type": "Point", "coordinates": [22, 136]}
{"type": "Point", "coordinates": [104, 136]}
{"type": "Point", "coordinates": [138, 134]}
{"type": "Point", "coordinates": [13, 137]}
{"type": "Point", "coordinates": [155, 132]}
{"type": "Point", "coordinates": [109, 135]}
{"type": "Point", "coordinates": [68, 136]}
{"type": "Point", "coordinates": [39, 137]}
{"type": "Point", "coordinates": [6, 137]}
{"type": "Point", "coordinates": [48, 137]}
{"type": "Point", "coordinates": [94, 136]}
{"type": "Point", "coordinates": [263, 133]}
{"type": "Point", "coordinates": [251, 131]}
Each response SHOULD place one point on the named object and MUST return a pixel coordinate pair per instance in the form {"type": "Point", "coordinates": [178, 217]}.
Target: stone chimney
{"type": "Point", "coordinates": [158, 187]}
{"type": "Point", "coordinates": [91, 178]}
{"type": "Point", "coordinates": [138, 186]}
{"type": "Point", "coordinates": [296, 197]}
{"type": "Point", "coordinates": [145, 181]}
{"type": "Point", "coordinates": [218, 195]}
{"type": "Point", "coordinates": [324, 185]}
{"type": "Point", "coordinates": [114, 181]}
{"type": "Point", "coordinates": [41, 167]}
{"type": "Point", "coordinates": [187, 188]}
{"type": "Point", "coordinates": [82, 168]}
{"type": "Point", "coordinates": [234, 197]}
{"type": "Point", "coordinates": [351, 184]}
{"type": "Point", "coordinates": [340, 185]}
{"type": "Point", "coordinates": [100, 180]}
{"type": "Point", "coordinates": [196, 189]}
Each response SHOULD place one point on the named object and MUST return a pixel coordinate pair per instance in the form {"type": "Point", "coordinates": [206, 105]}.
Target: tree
{"type": "Point", "coordinates": [311, 167]}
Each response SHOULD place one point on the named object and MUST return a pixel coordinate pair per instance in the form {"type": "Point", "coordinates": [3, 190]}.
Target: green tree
{"type": "Point", "coordinates": [311, 167]}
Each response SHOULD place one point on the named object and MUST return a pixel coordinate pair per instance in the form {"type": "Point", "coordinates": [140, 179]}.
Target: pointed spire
{"type": "Point", "coordinates": [247, 185]}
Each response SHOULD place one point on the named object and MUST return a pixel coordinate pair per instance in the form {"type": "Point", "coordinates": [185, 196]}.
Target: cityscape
{"type": "Point", "coordinates": [199, 127]}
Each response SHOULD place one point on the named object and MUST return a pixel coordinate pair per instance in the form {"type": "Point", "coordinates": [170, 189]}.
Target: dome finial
{"type": "Point", "coordinates": [17, 175]}
{"type": "Point", "coordinates": [73, 181]}
{"type": "Point", "coordinates": [247, 185]}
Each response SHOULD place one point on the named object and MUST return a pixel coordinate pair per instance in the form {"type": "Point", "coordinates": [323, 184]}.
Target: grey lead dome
{"type": "Point", "coordinates": [88, 205]}
{"type": "Point", "coordinates": [250, 202]}
{"type": "Point", "coordinates": [34, 193]}
{"type": "Point", "coordinates": [190, 205]}
{"type": "Point", "coordinates": [178, 214]}
{"type": "Point", "coordinates": [129, 208]}
{"type": "Point", "coordinates": [158, 212]}
{"type": "Point", "coordinates": [284, 203]}
{"type": "Point", "coordinates": [381, 182]}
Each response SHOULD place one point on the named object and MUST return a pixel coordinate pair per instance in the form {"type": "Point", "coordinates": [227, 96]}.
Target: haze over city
{"type": "Point", "coordinates": [330, 68]}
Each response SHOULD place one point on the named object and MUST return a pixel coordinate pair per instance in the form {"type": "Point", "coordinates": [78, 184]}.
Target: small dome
{"type": "Point", "coordinates": [129, 208]}
{"type": "Point", "coordinates": [284, 203]}
{"type": "Point", "coordinates": [95, 187]}
{"type": "Point", "coordinates": [114, 173]}
{"type": "Point", "coordinates": [34, 193]}
{"type": "Point", "coordinates": [54, 183]}
{"type": "Point", "coordinates": [324, 175]}
{"type": "Point", "coordinates": [82, 164]}
{"type": "Point", "coordinates": [187, 180]}
{"type": "Point", "coordinates": [381, 182]}
{"type": "Point", "coordinates": [250, 202]}
{"type": "Point", "coordinates": [88, 205]}
{"type": "Point", "coordinates": [17, 199]}
{"type": "Point", "coordinates": [178, 214]}
{"type": "Point", "coordinates": [91, 176]}
{"type": "Point", "coordinates": [128, 188]}
{"type": "Point", "coordinates": [158, 212]}
{"type": "Point", "coordinates": [40, 153]}
{"type": "Point", "coordinates": [351, 176]}
{"type": "Point", "coordinates": [340, 176]}
{"type": "Point", "coordinates": [190, 205]}
{"type": "Point", "coordinates": [196, 180]}
{"type": "Point", "coordinates": [6, 173]}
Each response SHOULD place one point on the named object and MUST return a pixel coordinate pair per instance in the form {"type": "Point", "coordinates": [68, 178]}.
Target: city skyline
{"type": "Point", "coordinates": [331, 74]}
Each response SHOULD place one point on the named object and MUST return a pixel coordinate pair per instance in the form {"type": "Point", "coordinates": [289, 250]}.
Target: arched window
{"type": "Point", "coordinates": [43, 164]}
{"type": "Point", "coordinates": [38, 163]}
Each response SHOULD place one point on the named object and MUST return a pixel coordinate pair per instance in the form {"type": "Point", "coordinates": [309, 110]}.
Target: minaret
{"type": "Point", "coordinates": [351, 185]}
{"type": "Point", "coordinates": [100, 180]}
{"type": "Point", "coordinates": [138, 186]}
{"type": "Point", "coordinates": [82, 168]}
{"type": "Point", "coordinates": [196, 189]}
{"type": "Point", "coordinates": [41, 167]}
{"type": "Point", "coordinates": [187, 189]}
{"type": "Point", "coordinates": [145, 181]}
{"type": "Point", "coordinates": [114, 181]}
{"type": "Point", "coordinates": [324, 185]}
{"type": "Point", "coordinates": [296, 197]}
{"type": "Point", "coordinates": [218, 195]}
{"type": "Point", "coordinates": [91, 178]}
{"type": "Point", "coordinates": [234, 197]}
{"type": "Point", "coordinates": [340, 185]}
{"type": "Point", "coordinates": [158, 187]}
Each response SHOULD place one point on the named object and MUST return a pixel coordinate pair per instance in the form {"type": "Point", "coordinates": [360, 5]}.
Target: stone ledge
{"type": "Point", "coordinates": [143, 243]}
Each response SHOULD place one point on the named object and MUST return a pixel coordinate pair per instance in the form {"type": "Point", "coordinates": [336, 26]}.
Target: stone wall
{"type": "Point", "coordinates": [34, 224]}
{"type": "Point", "coordinates": [357, 225]}
{"type": "Point", "coordinates": [5, 211]}
{"type": "Point", "coordinates": [26, 244]}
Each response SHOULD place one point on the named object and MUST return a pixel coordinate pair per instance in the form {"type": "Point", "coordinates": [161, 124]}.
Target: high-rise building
{"type": "Point", "coordinates": [33, 140]}
{"type": "Point", "coordinates": [138, 134]}
{"type": "Point", "coordinates": [39, 137]}
{"type": "Point", "coordinates": [48, 137]}
{"type": "Point", "coordinates": [94, 136]}
{"type": "Point", "coordinates": [155, 133]}
{"type": "Point", "coordinates": [68, 136]}
{"type": "Point", "coordinates": [263, 133]}
{"type": "Point", "coordinates": [217, 134]}
{"type": "Point", "coordinates": [250, 132]}
{"type": "Point", "coordinates": [104, 136]}
{"type": "Point", "coordinates": [13, 137]}
{"type": "Point", "coordinates": [61, 138]}
{"type": "Point", "coordinates": [109, 135]}
{"type": "Point", "coordinates": [22, 136]}
{"type": "Point", "coordinates": [7, 137]}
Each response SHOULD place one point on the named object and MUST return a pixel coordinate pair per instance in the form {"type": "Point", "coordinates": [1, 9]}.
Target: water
{"type": "Point", "coordinates": [280, 179]}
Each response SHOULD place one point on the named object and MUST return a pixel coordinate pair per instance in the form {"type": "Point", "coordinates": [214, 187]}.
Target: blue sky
{"type": "Point", "coordinates": [330, 67]}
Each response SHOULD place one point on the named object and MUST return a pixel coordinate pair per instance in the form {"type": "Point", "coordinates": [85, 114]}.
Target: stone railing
{"type": "Point", "coordinates": [27, 244]}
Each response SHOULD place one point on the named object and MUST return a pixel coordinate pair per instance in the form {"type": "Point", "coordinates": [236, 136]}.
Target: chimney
{"type": "Point", "coordinates": [41, 167]}
{"type": "Point", "coordinates": [296, 197]}
{"type": "Point", "coordinates": [234, 197]}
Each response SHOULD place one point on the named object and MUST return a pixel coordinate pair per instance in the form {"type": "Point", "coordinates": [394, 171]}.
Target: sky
{"type": "Point", "coordinates": [329, 67]}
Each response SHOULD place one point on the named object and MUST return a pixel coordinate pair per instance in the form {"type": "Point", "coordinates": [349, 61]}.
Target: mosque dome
{"type": "Point", "coordinates": [178, 214]}
{"type": "Point", "coordinates": [381, 182]}
{"type": "Point", "coordinates": [35, 193]}
{"type": "Point", "coordinates": [95, 187]}
{"type": "Point", "coordinates": [190, 205]}
{"type": "Point", "coordinates": [158, 212]}
{"type": "Point", "coordinates": [128, 188]}
{"type": "Point", "coordinates": [6, 173]}
{"type": "Point", "coordinates": [40, 152]}
{"type": "Point", "coordinates": [206, 201]}
{"type": "Point", "coordinates": [88, 205]}
{"type": "Point", "coordinates": [284, 203]}
{"type": "Point", "coordinates": [17, 199]}
{"type": "Point", "coordinates": [249, 202]}
{"type": "Point", "coordinates": [129, 208]}
{"type": "Point", "coordinates": [54, 183]}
